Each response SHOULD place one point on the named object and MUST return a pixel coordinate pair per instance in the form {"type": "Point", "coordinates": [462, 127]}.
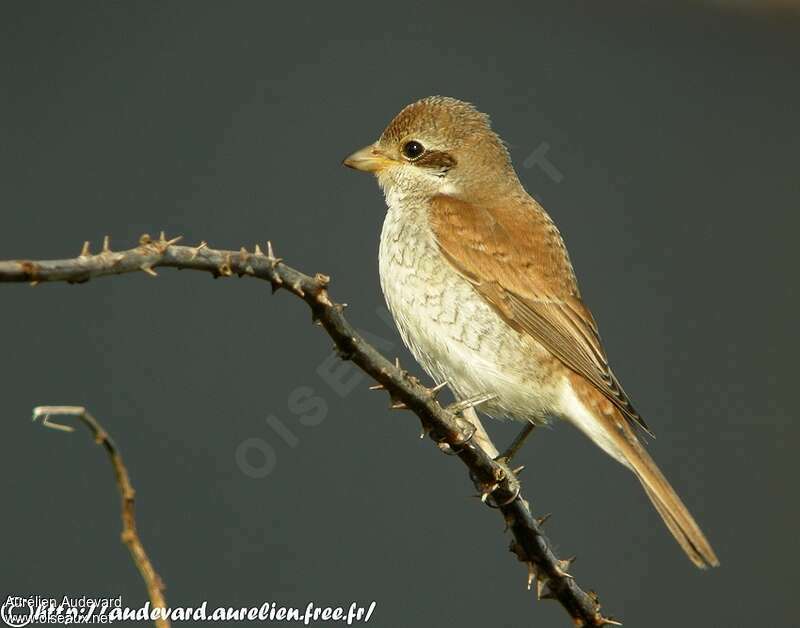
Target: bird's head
{"type": "Point", "coordinates": [438, 145]}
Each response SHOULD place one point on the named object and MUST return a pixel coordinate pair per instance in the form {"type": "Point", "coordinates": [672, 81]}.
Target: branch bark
{"type": "Point", "coordinates": [499, 486]}
{"type": "Point", "coordinates": [130, 536]}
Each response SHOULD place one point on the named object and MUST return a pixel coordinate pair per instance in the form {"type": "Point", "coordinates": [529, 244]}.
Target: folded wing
{"type": "Point", "coordinates": [529, 281]}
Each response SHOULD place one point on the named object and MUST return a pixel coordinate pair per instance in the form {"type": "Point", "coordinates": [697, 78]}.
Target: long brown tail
{"type": "Point", "coordinates": [672, 510]}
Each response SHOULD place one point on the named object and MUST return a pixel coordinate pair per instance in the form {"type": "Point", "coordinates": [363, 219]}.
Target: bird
{"type": "Point", "coordinates": [480, 285]}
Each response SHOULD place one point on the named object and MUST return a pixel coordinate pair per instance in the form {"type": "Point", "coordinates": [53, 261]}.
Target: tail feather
{"type": "Point", "coordinates": [672, 510]}
{"type": "Point", "coordinates": [604, 424]}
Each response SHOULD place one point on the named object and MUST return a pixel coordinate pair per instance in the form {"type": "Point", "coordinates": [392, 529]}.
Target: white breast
{"type": "Point", "coordinates": [449, 328]}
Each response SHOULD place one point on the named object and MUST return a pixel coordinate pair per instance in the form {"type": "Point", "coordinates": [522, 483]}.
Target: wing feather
{"type": "Point", "coordinates": [516, 260]}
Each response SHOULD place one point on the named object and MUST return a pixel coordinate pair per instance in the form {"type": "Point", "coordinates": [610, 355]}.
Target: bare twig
{"type": "Point", "coordinates": [154, 584]}
{"type": "Point", "coordinates": [497, 483]}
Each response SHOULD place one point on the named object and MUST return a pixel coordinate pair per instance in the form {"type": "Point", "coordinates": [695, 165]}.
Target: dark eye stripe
{"type": "Point", "coordinates": [436, 159]}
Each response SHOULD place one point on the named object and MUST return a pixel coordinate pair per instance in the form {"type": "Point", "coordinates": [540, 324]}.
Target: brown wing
{"type": "Point", "coordinates": [516, 260]}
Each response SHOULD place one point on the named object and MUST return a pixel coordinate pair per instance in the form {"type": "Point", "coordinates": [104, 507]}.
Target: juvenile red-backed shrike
{"type": "Point", "coordinates": [482, 290]}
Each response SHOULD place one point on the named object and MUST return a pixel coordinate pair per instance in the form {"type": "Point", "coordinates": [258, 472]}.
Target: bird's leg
{"type": "Point", "coordinates": [481, 436]}
{"type": "Point", "coordinates": [517, 443]}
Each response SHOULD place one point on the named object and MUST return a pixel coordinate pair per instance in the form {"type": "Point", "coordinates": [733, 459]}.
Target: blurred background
{"type": "Point", "coordinates": [663, 139]}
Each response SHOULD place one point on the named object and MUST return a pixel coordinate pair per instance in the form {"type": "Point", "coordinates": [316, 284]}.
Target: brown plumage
{"type": "Point", "coordinates": [479, 281]}
{"type": "Point", "coordinates": [528, 280]}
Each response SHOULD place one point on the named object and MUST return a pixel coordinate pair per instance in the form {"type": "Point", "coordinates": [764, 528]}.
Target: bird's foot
{"type": "Point", "coordinates": [506, 476]}
{"type": "Point", "coordinates": [463, 407]}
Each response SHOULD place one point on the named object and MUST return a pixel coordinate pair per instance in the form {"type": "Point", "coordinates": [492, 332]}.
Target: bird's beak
{"type": "Point", "coordinates": [368, 159]}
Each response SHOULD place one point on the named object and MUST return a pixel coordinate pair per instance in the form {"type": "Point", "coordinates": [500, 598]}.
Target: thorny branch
{"type": "Point", "coordinates": [498, 484]}
{"type": "Point", "coordinates": [154, 584]}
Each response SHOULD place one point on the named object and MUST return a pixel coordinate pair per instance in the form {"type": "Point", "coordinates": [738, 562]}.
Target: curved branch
{"type": "Point", "coordinates": [154, 584]}
{"type": "Point", "coordinates": [444, 426]}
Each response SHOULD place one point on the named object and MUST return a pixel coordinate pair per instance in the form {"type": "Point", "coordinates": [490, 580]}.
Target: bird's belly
{"type": "Point", "coordinates": [456, 336]}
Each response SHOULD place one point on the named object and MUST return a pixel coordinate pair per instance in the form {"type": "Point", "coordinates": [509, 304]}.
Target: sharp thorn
{"type": "Point", "coordinates": [543, 519]}
{"type": "Point", "coordinates": [541, 587]}
{"type": "Point", "coordinates": [174, 240]}
{"type": "Point", "coordinates": [162, 237]}
{"type": "Point", "coordinates": [106, 244]}
{"type": "Point", "coordinates": [85, 249]}
{"type": "Point", "coordinates": [518, 470]}
{"type": "Point", "coordinates": [607, 621]}
{"type": "Point", "coordinates": [225, 267]}
{"type": "Point", "coordinates": [33, 284]}
{"type": "Point", "coordinates": [531, 575]}
{"type": "Point", "coordinates": [197, 249]}
{"type": "Point", "coordinates": [542, 593]}
{"type": "Point", "coordinates": [565, 564]}
{"type": "Point", "coordinates": [377, 387]}
{"type": "Point", "coordinates": [258, 250]}
{"type": "Point", "coordinates": [149, 270]}
{"type": "Point", "coordinates": [397, 363]}
{"type": "Point", "coordinates": [273, 261]}
{"type": "Point", "coordinates": [399, 405]}
{"type": "Point", "coordinates": [243, 254]}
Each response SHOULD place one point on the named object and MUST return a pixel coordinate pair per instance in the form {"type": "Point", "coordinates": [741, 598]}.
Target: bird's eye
{"type": "Point", "coordinates": [412, 150]}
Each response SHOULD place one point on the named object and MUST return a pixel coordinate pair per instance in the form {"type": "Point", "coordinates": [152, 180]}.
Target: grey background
{"type": "Point", "coordinates": [674, 127]}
